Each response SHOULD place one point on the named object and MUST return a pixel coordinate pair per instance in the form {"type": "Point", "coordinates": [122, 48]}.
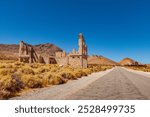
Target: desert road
{"type": "Point", "coordinates": [115, 84]}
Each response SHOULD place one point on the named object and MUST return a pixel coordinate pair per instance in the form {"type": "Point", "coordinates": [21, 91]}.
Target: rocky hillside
{"type": "Point", "coordinates": [10, 52]}
{"type": "Point", "coordinates": [129, 61]}
{"type": "Point", "coordinates": [47, 49]}
{"type": "Point", "coordinates": [100, 60]}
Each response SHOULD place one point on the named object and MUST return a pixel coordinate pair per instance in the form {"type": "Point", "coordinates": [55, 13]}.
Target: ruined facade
{"type": "Point", "coordinates": [27, 54]}
{"type": "Point", "coordinates": [75, 58]}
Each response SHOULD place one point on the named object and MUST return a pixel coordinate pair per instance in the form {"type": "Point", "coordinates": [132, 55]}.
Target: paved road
{"type": "Point", "coordinates": [116, 84]}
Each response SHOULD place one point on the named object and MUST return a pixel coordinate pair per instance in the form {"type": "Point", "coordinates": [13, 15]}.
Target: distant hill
{"type": "Point", "coordinates": [10, 52]}
{"type": "Point", "coordinates": [129, 61]}
{"type": "Point", "coordinates": [47, 49]}
{"type": "Point", "coordinates": [100, 60]}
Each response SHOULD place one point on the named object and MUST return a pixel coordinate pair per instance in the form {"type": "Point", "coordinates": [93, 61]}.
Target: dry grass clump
{"type": "Point", "coordinates": [9, 85]}
{"type": "Point", "coordinates": [145, 68]}
{"type": "Point", "coordinates": [26, 70]}
{"type": "Point", "coordinates": [97, 68]}
{"type": "Point", "coordinates": [77, 73]}
{"type": "Point", "coordinates": [67, 75]}
{"type": "Point", "coordinates": [5, 72]}
{"type": "Point", "coordinates": [41, 70]}
{"type": "Point", "coordinates": [56, 80]}
{"type": "Point", "coordinates": [32, 81]}
{"type": "Point", "coordinates": [16, 76]}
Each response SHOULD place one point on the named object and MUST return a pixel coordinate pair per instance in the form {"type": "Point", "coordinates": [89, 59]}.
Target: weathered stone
{"type": "Point", "coordinates": [75, 59]}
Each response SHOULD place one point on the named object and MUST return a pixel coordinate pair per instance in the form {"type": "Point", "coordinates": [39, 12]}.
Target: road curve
{"type": "Point", "coordinates": [115, 84]}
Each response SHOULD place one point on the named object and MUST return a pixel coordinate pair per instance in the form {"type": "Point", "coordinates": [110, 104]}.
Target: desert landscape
{"type": "Point", "coordinates": [27, 69]}
{"type": "Point", "coordinates": [16, 77]}
{"type": "Point", "coordinates": [24, 74]}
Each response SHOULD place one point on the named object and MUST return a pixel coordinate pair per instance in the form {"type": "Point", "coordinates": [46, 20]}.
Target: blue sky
{"type": "Point", "coordinates": [113, 28]}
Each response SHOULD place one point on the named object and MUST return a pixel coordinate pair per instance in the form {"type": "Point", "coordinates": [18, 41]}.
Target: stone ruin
{"type": "Point", "coordinates": [77, 59]}
{"type": "Point", "coordinates": [27, 54]}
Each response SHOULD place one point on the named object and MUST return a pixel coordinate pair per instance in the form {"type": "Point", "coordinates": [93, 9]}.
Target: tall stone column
{"type": "Point", "coordinates": [86, 50]}
{"type": "Point", "coordinates": [30, 55]}
{"type": "Point", "coordinates": [20, 50]}
{"type": "Point", "coordinates": [81, 44]}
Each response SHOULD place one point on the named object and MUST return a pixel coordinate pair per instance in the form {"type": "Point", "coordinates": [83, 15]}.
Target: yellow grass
{"type": "Point", "coordinates": [145, 68]}
{"type": "Point", "coordinates": [16, 77]}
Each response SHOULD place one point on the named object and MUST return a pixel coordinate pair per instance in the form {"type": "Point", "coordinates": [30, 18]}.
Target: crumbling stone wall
{"type": "Point", "coordinates": [27, 54]}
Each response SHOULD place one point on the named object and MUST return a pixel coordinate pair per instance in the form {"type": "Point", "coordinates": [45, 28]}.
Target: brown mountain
{"type": "Point", "coordinates": [129, 61]}
{"type": "Point", "coordinates": [148, 65]}
{"type": "Point", "coordinates": [10, 52]}
{"type": "Point", "coordinates": [100, 60]}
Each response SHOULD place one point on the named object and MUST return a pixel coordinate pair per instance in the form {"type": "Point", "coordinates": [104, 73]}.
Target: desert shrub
{"type": "Point", "coordinates": [68, 75]}
{"type": "Point", "coordinates": [6, 71]}
{"type": "Point", "coordinates": [2, 66]}
{"type": "Point", "coordinates": [84, 73]}
{"type": "Point", "coordinates": [4, 94]}
{"type": "Point", "coordinates": [5, 65]}
{"type": "Point", "coordinates": [77, 73]}
{"type": "Point", "coordinates": [87, 71]}
{"type": "Point", "coordinates": [97, 68]}
{"type": "Point", "coordinates": [46, 78]}
{"type": "Point", "coordinates": [9, 85]}
{"type": "Point", "coordinates": [32, 81]}
{"type": "Point", "coordinates": [34, 65]}
{"type": "Point", "coordinates": [18, 64]}
{"type": "Point", "coordinates": [17, 76]}
{"type": "Point", "coordinates": [7, 61]}
{"type": "Point", "coordinates": [54, 69]}
{"type": "Point", "coordinates": [45, 81]}
{"type": "Point", "coordinates": [56, 80]}
{"type": "Point", "coordinates": [41, 70]}
{"type": "Point", "coordinates": [8, 66]}
{"type": "Point", "coordinates": [139, 68]}
{"type": "Point", "coordinates": [26, 70]}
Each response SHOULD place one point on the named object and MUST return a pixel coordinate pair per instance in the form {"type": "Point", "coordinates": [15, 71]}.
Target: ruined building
{"type": "Point", "coordinates": [27, 54]}
{"type": "Point", "coordinates": [75, 58]}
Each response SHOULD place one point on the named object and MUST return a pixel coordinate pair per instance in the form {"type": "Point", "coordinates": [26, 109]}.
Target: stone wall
{"type": "Point", "coordinates": [27, 54]}
{"type": "Point", "coordinates": [75, 61]}
{"type": "Point", "coordinates": [62, 61]}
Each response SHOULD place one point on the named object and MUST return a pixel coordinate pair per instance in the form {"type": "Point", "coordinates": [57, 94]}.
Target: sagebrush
{"type": "Point", "coordinates": [16, 76]}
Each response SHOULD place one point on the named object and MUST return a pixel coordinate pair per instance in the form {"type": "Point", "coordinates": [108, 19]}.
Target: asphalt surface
{"type": "Point", "coordinates": [119, 84]}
